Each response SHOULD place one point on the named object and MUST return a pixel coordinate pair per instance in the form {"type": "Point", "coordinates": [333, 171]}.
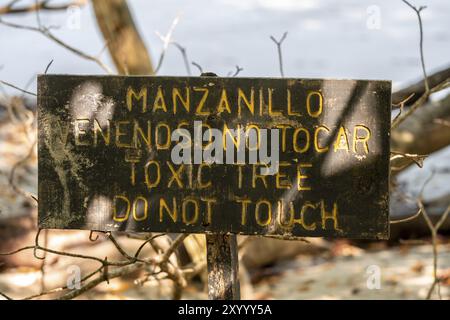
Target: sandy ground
{"type": "Point", "coordinates": [405, 273]}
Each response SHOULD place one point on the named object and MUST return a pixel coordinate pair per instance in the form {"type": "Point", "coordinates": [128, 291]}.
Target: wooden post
{"type": "Point", "coordinates": [222, 260]}
{"type": "Point", "coordinates": [223, 267]}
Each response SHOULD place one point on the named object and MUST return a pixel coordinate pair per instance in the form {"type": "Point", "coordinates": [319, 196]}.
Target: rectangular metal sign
{"type": "Point", "coordinates": [258, 156]}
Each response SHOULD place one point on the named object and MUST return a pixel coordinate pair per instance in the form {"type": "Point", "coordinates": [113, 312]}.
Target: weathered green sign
{"type": "Point", "coordinates": [280, 157]}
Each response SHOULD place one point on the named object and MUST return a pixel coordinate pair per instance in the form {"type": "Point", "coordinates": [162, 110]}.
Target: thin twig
{"type": "Point", "coordinates": [416, 158]}
{"type": "Point", "coordinates": [41, 5]}
{"type": "Point", "coordinates": [166, 41]}
{"type": "Point", "coordinates": [18, 164]}
{"type": "Point", "coordinates": [173, 246]}
{"type": "Point", "coordinates": [278, 43]}
{"type": "Point", "coordinates": [199, 67]}
{"type": "Point", "coordinates": [235, 72]}
{"type": "Point", "coordinates": [417, 214]}
{"type": "Point", "coordinates": [184, 55]}
{"type": "Point", "coordinates": [401, 105]}
{"type": "Point", "coordinates": [47, 33]}
{"type": "Point", "coordinates": [434, 228]}
{"type": "Point", "coordinates": [441, 86]}
{"type": "Point", "coordinates": [48, 66]}
{"type": "Point", "coordinates": [17, 88]}
{"type": "Point", "coordinates": [422, 58]}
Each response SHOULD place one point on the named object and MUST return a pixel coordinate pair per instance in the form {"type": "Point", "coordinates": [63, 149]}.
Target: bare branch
{"type": "Point", "coordinates": [401, 105]}
{"type": "Point", "coordinates": [5, 296]}
{"type": "Point", "coordinates": [173, 246]}
{"type": "Point", "coordinates": [16, 166]}
{"type": "Point", "coordinates": [422, 59]}
{"type": "Point", "coordinates": [167, 39]}
{"type": "Point", "coordinates": [416, 158]}
{"type": "Point", "coordinates": [199, 67]}
{"type": "Point", "coordinates": [48, 66]}
{"type": "Point", "coordinates": [420, 102]}
{"type": "Point", "coordinates": [47, 33]}
{"type": "Point", "coordinates": [417, 214]}
{"type": "Point", "coordinates": [236, 72]}
{"type": "Point", "coordinates": [278, 43]}
{"type": "Point", "coordinates": [39, 5]}
{"type": "Point", "coordinates": [184, 55]}
{"type": "Point", "coordinates": [17, 88]}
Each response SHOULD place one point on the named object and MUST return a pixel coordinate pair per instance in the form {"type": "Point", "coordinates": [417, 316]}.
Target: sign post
{"type": "Point", "coordinates": [223, 267]}
{"type": "Point", "coordinates": [222, 260]}
{"type": "Point", "coordinates": [285, 158]}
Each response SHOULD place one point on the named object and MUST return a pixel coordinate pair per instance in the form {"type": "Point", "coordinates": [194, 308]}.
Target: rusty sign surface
{"type": "Point", "coordinates": [107, 146]}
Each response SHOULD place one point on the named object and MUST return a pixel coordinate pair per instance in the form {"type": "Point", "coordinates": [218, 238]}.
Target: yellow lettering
{"type": "Point", "coordinates": [199, 110]}
{"type": "Point", "coordinates": [138, 132]}
{"type": "Point", "coordinates": [201, 184]}
{"type": "Point", "coordinates": [289, 105]}
{"type": "Point", "coordinates": [184, 211]}
{"type": "Point", "coordinates": [329, 216]}
{"type": "Point", "coordinates": [301, 176]}
{"type": "Point", "coordinates": [147, 176]}
{"type": "Point", "coordinates": [224, 104]}
{"type": "Point", "coordinates": [166, 144]}
{"type": "Point", "coordinates": [163, 206]}
{"type": "Point", "coordinates": [282, 184]}
{"type": "Point", "coordinates": [295, 139]}
{"type": "Point", "coordinates": [115, 213]}
{"type": "Point", "coordinates": [249, 103]}
{"type": "Point", "coordinates": [316, 139]}
{"type": "Point", "coordinates": [341, 142]}
{"type": "Point", "coordinates": [271, 112]}
{"type": "Point", "coordinates": [364, 140]}
{"type": "Point", "coordinates": [176, 96]}
{"type": "Point", "coordinates": [259, 221]}
{"type": "Point", "coordinates": [244, 204]}
{"type": "Point", "coordinates": [317, 112]}
{"type": "Point", "coordinates": [135, 205]}
{"type": "Point", "coordinates": [175, 175]}
{"type": "Point", "coordinates": [79, 132]}
{"type": "Point", "coordinates": [120, 133]}
{"type": "Point", "coordinates": [159, 103]}
{"type": "Point", "coordinates": [141, 95]}
{"type": "Point", "coordinates": [98, 129]}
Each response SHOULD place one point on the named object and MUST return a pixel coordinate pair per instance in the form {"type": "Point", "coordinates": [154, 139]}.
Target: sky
{"type": "Point", "coordinates": [326, 39]}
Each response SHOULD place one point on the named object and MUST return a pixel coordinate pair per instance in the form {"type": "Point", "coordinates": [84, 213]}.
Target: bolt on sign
{"type": "Point", "coordinates": [258, 156]}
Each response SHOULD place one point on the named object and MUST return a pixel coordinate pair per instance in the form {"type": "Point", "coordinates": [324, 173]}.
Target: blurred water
{"type": "Point", "coordinates": [369, 39]}
{"type": "Point", "coordinates": [326, 38]}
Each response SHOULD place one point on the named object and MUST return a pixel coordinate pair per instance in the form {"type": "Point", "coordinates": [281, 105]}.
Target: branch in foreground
{"type": "Point", "coordinates": [113, 269]}
{"type": "Point", "coordinates": [278, 43]}
{"type": "Point", "coordinates": [166, 40]}
{"type": "Point", "coordinates": [422, 58]}
{"type": "Point", "coordinates": [41, 5]}
{"type": "Point", "coordinates": [17, 88]}
{"type": "Point", "coordinates": [121, 35]}
{"type": "Point", "coordinates": [47, 33]}
{"type": "Point", "coordinates": [417, 89]}
{"type": "Point", "coordinates": [420, 102]}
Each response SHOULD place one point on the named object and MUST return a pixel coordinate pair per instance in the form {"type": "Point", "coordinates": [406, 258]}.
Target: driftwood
{"type": "Point", "coordinates": [418, 88]}
{"type": "Point", "coordinates": [260, 251]}
{"type": "Point", "coordinates": [426, 131]}
{"type": "Point", "coordinates": [124, 43]}
{"type": "Point", "coordinates": [417, 228]}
